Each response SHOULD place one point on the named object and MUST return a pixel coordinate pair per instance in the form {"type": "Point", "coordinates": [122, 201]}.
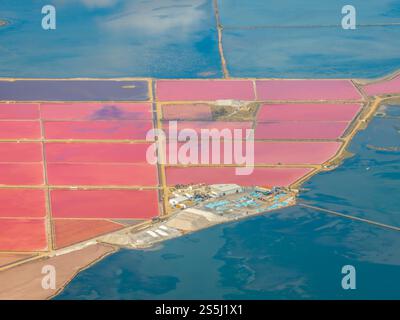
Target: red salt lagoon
{"type": "Point", "coordinates": [22, 235]}
{"type": "Point", "coordinates": [305, 90]}
{"type": "Point", "coordinates": [294, 152]}
{"type": "Point", "coordinates": [186, 112]}
{"type": "Point", "coordinates": [19, 111]}
{"type": "Point", "coordinates": [98, 130]}
{"type": "Point", "coordinates": [97, 152]}
{"type": "Point", "coordinates": [72, 163]}
{"type": "Point", "coordinates": [383, 87]}
{"type": "Point", "coordinates": [71, 231]}
{"type": "Point", "coordinates": [102, 174]}
{"type": "Point", "coordinates": [212, 175]}
{"type": "Point", "coordinates": [204, 90]}
{"type": "Point", "coordinates": [96, 111]}
{"type": "Point", "coordinates": [20, 152]}
{"type": "Point", "coordinates": [210, 125]}
{"type": "Point", "coordinates": [22, 203]}
{"type": "Point", "coordinates": [21, 174]}
{"type": "Point", "coordinates": [308, 112]}
{"type": "Point", "coordinates": [112, 204]}
{"type": "Point", "coordinates": [20, 130]}
{"type": "Point", "coordinates": [286, 130]}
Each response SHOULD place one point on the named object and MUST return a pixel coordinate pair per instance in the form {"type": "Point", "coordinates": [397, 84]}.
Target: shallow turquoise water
{"type": "Point", "coordinates": [116, 39]}
{"type": "Point", "coordinates": [258, 42]}
{"type": "Point", "coordinates": [296, 253]}
{"type": "Point", "coordinates": [313, 52]}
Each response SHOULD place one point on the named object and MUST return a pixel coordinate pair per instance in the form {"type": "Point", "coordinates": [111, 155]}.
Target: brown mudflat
{"type": "Point", "coordinates": [25, 281]}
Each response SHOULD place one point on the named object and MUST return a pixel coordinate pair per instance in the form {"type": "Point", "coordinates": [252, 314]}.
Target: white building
{"type": "Point", "coordinates": [230, 103]}
{"type": "Point", "coordinates": [221, 190]}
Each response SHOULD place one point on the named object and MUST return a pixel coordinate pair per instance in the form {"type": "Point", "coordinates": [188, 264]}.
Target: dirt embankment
{"type": "Point", "coordinates": [24, 282]}
{"type": "Point", "coordinates": [10, 258]}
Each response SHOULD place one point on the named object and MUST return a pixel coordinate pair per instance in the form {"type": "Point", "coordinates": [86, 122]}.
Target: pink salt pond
{"type": "Point", "coordinates": [383, 87]}
{"type": "Point", "coordinates": [96, 111]}
{"type": "Point", "coordinates": [308, 112]}
{"type": "Point", "coordinates": [269, 153]}
{"type": "Point", "coordinates": [306, 90]}
{"type": "Point", "coordinates": [300, 130]}
{"type": "Point", "coordinates": [186, 112]}
{"type": "Point", "coordinates": [229, 127]}
{"type": "Point", "coordinates": [211, 175]}
{"type": "Point", "coordinates": [294, 152]}
{"type": "Point", "coordinates": [204, 90]}
{"type": "Point", "coordinates": [19, 111]}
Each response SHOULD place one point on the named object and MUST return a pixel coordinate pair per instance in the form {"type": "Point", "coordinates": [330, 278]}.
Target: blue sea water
{"type": "Point", "coordinates": [292, 253]}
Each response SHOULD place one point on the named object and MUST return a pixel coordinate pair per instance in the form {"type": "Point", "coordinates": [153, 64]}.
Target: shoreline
{"type": "Point", "coordinates": [83, 268]}
{"type": "Point", "coordinates": [24, 282]}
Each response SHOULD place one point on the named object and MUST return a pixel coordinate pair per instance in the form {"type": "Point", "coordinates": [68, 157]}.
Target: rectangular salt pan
{"type": "Point", "coordinates": [113, 204]}
{"type": "Point", "coordinates": [204, 90]}
{"type": "Point", "coordinates": [214, 175]}
{"type": "Point", "coordinates": [96, 111]}
{"type": "Point", "coordinates": [74, 90]}
{"type": "Point", "coordinates": [300, 130]}
{"type": "Point", "coordinates": [304, 90]}
{"type": "Point", "coordinates": [308, 112]}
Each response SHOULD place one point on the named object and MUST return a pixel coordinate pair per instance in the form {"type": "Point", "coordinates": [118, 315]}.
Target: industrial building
{"type": "Point", "coordinates": [221, 190]}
